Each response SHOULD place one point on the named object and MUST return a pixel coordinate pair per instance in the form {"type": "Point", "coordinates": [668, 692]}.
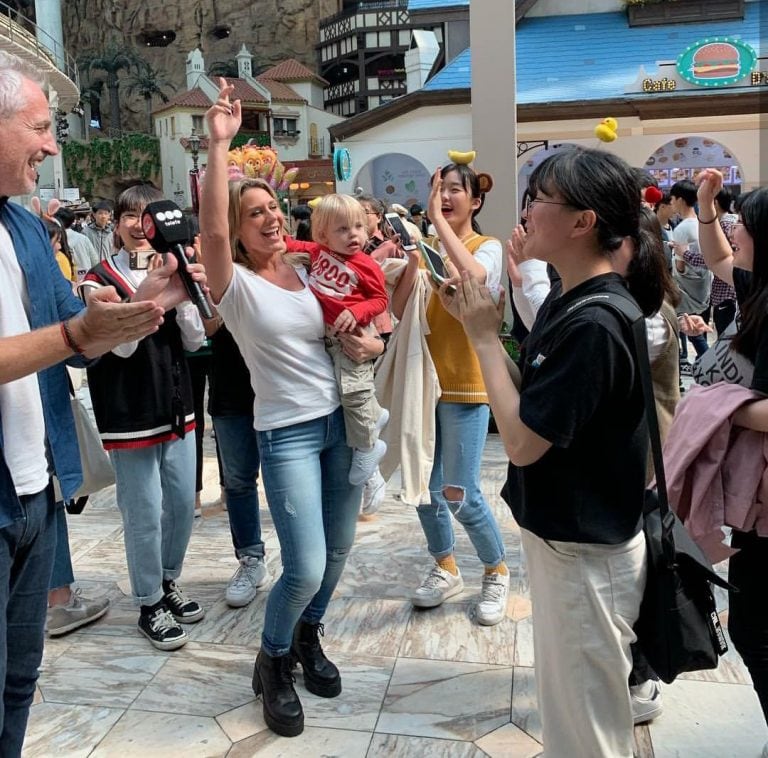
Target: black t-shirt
{"type": "Point", "coordinates": [230, 392]}
{"type": "Point", "coordinates": [581, 392]}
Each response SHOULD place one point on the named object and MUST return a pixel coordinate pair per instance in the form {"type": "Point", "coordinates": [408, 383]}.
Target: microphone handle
{"type": "Point", "coordinates": [194, 290]}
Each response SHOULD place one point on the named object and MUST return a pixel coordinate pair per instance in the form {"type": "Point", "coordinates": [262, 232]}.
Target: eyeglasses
{"type": "Point", "coordinates": [371, 213]}
{"type": "Point", "coordinates": [532, 200]}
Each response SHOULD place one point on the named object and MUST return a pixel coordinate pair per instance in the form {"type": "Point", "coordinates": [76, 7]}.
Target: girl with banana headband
{"type": "Point", "coordinates": [462, 411]}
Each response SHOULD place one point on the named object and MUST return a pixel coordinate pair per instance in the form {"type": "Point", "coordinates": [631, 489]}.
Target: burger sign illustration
{"type": "Point", "coordinates": [716, 62]}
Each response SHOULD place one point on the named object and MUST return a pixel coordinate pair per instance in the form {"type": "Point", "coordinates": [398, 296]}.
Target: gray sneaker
{"type": "Point", "coordinates": [63, 619]}
{"type": "Point", "coordinates": [436, 588]}
{"type": "Point", "coordinates": [251, 575]}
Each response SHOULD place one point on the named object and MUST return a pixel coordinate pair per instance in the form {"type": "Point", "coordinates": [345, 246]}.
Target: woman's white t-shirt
{"type": "Point", "coordinates": [280, 335]}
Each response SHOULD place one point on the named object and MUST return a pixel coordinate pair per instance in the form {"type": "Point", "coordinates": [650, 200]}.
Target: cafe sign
{"type": "Point", "coordinates": [716, 62]}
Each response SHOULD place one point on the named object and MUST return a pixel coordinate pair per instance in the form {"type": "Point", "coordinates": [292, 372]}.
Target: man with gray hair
{"type": "Point", "coordinates": [42, 325]}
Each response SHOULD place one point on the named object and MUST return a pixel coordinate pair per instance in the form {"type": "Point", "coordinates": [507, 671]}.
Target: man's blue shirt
{"type": "Point", "coordinates": [51, 300]}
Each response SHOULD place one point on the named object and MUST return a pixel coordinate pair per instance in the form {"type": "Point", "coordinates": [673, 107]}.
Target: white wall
{"type": "Point", "coordinates": [425, 134]}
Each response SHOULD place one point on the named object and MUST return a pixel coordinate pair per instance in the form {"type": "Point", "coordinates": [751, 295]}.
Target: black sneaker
{"type": "Point", "coordinates": [158, 625]}
{"type": "Point", "coordinates": [184, 610]}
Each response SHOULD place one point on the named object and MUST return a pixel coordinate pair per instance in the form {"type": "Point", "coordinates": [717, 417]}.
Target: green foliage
{"type": "Point", "coordinates": [260, 139]}
{"type": "Point", "coordinates": [134, 155]}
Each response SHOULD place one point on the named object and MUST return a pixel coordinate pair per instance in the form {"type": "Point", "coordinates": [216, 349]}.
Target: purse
{"type": "Point", "coordinates": [98, 473]}
{"type": "Point", "coordinates": [678, 628]}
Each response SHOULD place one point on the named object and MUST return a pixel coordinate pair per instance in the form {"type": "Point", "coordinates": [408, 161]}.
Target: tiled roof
{"type": "Point", "coordinates": [290, 70]}
{"type": "Point", "coordinates": [280, 91]}
{"type": "Point", "coordinates": [596, 56]}
{"type": "Point", "coordinates": [422, 5]}
{"type": "Point", "coordinates": [193, 98]}
{"type": "Point", "coordinates": [244, 92]}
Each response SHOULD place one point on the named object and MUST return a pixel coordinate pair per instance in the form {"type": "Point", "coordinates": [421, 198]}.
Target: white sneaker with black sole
{"type": "Point", "coordinates": [161, 629]}
{"type": "Point", "coordinates": [437, 587]}
{"type": "Point", "coordinates": [646, 701]}
{"type": "Point", "coordinates": [251, 575]}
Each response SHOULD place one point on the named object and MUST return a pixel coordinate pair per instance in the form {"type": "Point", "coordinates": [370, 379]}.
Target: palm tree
{"type": "Point", "coordinates": [111, 61]}
{"type": "Point", "coordinates": [148, 83]}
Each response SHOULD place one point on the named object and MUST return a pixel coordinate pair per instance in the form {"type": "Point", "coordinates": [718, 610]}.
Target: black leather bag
{"type": "Point", "coordinates": [678, 629]}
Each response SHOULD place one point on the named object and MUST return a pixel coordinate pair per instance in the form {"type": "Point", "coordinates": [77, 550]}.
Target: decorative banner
{"type": "Point", "coordinates": [342, 164]}
{"type": "Point", "coordinates": [716, 62]}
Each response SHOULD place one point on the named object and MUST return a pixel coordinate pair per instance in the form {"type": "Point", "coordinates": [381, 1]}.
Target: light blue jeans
{"type": "Point", "coordinates": [239, 451]}
{"type": "Point", "coordinates": [156, 496]}
{"type": "Point", "coordinates": [459, 442]}
{"type": "Point", "coordinates": [305, 469]}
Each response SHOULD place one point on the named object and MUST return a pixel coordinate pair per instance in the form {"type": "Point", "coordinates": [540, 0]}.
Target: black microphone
{"type": "Point", "coordinates": [166, 228]}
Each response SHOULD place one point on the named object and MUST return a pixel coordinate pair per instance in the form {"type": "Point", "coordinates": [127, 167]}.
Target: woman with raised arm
{"type": "Point", "coordinates": [462, 412]}
{"type": "Point", "coordinates": [278, 325]}
{"type": "Point", "coordinates": [745, 266]}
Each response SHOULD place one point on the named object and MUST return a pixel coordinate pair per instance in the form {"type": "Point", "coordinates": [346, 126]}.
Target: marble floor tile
{"type": "Point", "coordinates": [101, 671]}
{"type": "Point", "coordinates": [363, 626]}
{"type": "Point", "coordinates": [451, 633]}
{"type": "Point", "coordinates": [365, 679]}
{"type": "Point", "coordinates": [67, 730]}
{"type": "Point", "coordinates": [524, 643]}
{"type": "Point", "coordinates": [144, 735]}
{"type": "Point", "coordinates": [509, 741]}
{"type": "Point", "coordinates": [525, 713]}
{"type": "Point", "coordinates": [400, 746]}
{"type": "Point", "coordinates": [314, 741]}
{"type": "Point", "coordinates": [458, 701]}
{"type": "Point", "coordinates": [225, 625]}
{"type": "Point", "coordinates": [205, 681]}
{"type": "Point", "coordinates": [243, 722]}
{"type": "Point", "coordinates": [709, 720]}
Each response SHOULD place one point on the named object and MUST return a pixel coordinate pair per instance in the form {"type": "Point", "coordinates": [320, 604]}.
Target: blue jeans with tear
{"type": "Point", "coordinates": [305, 470]}
{"type": "Point", "coordinates": [459, 442]}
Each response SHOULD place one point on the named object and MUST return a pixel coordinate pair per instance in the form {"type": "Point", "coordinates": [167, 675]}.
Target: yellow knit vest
{"type": "Point", "coordinates": [458, 369]}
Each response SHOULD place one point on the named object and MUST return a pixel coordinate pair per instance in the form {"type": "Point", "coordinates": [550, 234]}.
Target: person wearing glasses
{"type": "Point", "coordinates": [742, 262]}
{"type": "Point", "coordinates": [576, 438]}
{"type": "Point", "coordinates": [462, 413]}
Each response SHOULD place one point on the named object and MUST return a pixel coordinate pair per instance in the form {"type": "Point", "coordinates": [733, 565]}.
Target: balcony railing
{"type": "Point", "coordinates": [362, 7]}
{"type": "Point", "coordinates": [16, 27]}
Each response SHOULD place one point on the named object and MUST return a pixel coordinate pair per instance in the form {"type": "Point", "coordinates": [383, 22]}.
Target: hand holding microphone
{"type": "Point", "coordinates": [167, 230]}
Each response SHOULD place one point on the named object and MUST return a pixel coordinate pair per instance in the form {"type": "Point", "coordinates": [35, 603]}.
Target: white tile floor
{"type": "Point", "coordinates": [416, 683]}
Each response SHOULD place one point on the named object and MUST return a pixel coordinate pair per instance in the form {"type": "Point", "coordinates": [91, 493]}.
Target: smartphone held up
{"type": "Point", "coordinates": [435, 265]}
{"type": "Point", "coordinates": [397, 227]}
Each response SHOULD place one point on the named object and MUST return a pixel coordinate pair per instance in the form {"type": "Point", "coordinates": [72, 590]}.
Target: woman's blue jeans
{"type": "Point", "coordinates": [305, 470]}
{"type": "Point", "coordinates": [155, 488]}
{"type": "Point", "coordinates": [239, 452]}
{"type": "Point", "coordinates": [460, 438]}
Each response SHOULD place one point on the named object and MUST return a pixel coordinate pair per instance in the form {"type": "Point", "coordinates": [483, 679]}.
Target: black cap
{"type": "Point", "coordinates": [416, 210]}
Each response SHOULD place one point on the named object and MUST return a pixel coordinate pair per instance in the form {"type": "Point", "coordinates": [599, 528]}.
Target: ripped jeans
{"type": "Point", "coordinates": [459, 442]}
{"type": "Point", "coordinates": [305, 469]}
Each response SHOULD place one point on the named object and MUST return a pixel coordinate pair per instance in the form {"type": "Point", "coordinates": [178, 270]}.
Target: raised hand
{"type": "Point", "coordinates": [224, 117]}
{"type": "Point", "coordinates": [435, 202]}
{"type": "Point", "coordinates": [710, 182]}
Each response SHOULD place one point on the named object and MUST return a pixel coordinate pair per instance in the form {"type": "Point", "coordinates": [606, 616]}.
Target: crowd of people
{"type": "Point", "coordinates": [316, 405]}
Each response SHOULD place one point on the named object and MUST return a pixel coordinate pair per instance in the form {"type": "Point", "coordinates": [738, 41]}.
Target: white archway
{"type": "Point", "coordinates": [395, 178]}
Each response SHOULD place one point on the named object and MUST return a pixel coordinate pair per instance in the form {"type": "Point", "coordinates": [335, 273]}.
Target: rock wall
{"type": "Point", "coordinates": [271, 29]}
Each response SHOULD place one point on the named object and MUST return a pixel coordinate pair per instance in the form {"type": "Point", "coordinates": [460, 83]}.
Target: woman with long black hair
{"type": "Point", "coordinates": [745, 266]}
